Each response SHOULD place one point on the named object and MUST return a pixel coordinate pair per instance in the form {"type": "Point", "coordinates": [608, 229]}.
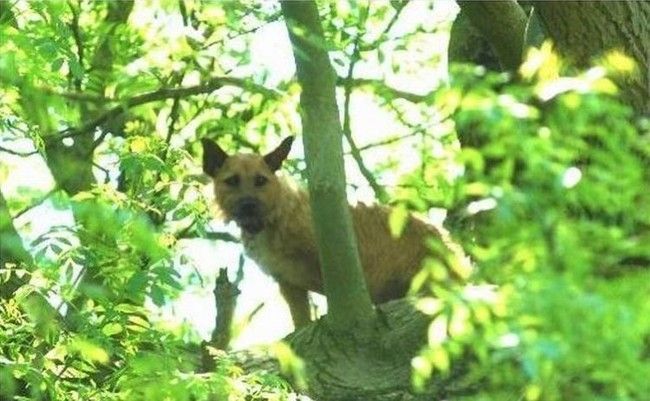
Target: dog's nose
{"type": "Point", "coordinates": [247, 206]}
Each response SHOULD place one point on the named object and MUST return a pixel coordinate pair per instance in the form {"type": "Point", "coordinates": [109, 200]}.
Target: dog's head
{"type": "Point", "coordinates": [246, 188]}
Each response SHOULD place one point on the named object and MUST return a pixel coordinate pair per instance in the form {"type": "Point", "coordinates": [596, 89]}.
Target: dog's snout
{"type": "Point", "coordinates": [248, 206]}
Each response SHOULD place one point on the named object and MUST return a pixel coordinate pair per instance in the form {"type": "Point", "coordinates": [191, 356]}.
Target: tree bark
{"type": "Point", "coordinates": [503, 24]}
{"type": "Point", "coordinates": [347, 295]}
{"type": "Point", "coordinates": [468, 45]}
{"type": "Point", "coordinates": [373, 371]}
{"type": "Point", "coordinates": [583, 30]}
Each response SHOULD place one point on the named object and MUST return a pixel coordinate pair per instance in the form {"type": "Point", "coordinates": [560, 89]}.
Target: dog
{"type": "Point", "coordinates": [277, 231]}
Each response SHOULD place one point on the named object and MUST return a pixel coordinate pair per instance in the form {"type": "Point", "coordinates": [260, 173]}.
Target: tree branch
{"type": "Point", "coordinates": [387, 141]}
{"type": "Point", "coordinates": [165, 93]}
{"type": "Point", "coordinates": [225, 297]}
{"type": "Point", "coordinates": [76, 96]}
{"type": "Point", "coordinates": [503, 24]}
{"type": "Point", "coordinates": [585, 30]}
{"type": "Point", "coordinates": [254, 29]}
{"type": "Point", "coordinates": [76, 34]}
{"type": "Point", "coordinates": [38, 202]}
{"type": "Point", "coordinates": [210, 235]}
{"type": "Point", "coordinates": [381, 87]}
{"type": "Point", "coordinates": [16, 153]}
{"type": "Point", "coordinates": [380, 40]}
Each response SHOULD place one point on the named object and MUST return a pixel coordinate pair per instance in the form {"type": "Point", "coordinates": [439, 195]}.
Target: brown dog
{"type": "Point", "coordinates": [277, 232]}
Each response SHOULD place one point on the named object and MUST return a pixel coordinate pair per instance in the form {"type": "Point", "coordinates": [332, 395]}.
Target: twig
{"type": "Point", "coordinates": [381, 86]}
{"type": "Point", "coordinates": [221, 236]}
{"type": "Point", "coordinates": [387, 141]}
{"type": "Point", "coordinates": [212, 235]}
{"type": "Point", "coordinates": [38, 202]}
{"type": "Point", "coordinates": [379, 191]}
{"type": "Point", "coordinates": [16, 153]}
{"type": "Point", "coordinates": [173, 118]}
{"type": "Point", "coordinates": [229, 37]}
{"type": "Point", "coordinates": [104, 170]}
{"type": "Point", "coordinates": [374, 45]}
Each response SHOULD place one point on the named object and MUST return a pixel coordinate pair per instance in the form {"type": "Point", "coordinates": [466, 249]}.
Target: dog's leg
{"type": "Point", "coordinates": [298, 303]}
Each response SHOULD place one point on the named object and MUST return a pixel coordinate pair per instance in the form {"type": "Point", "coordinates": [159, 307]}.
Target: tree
{"type": "Point", "coordinates": [351, 324]}
{"type": "Point", "coordinates": [342, 275]}
{"type": "Point", "coordinates": [604, 26]}
{"type": "Point", "coordinates": [582, 31]}
{"type": "Point", "coordinates": [548, 195]}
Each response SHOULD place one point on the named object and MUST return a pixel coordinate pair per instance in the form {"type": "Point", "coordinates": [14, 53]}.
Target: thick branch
{"type": "Point", "coordinates": [347, 295]}
{"type": "Point", "coordinates": [378, 370]}
{"type": "Point", "coordinates": [503, 24]}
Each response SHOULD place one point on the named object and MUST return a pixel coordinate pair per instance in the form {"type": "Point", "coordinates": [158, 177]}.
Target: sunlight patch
{"type": "Point", "coordinates": [571, 177]}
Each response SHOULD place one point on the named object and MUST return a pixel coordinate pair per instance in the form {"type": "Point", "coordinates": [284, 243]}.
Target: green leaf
{"type": "Point", "coordinates": [440, 358]}
{"type": "Point", "coordinates": [136, 284]}
{"type": "Point", "coordinates": [88, 350]}
{"type": "Point", "coordinates": [111, 329]}
{"type": "Point", "coordinates": [157, 295]}
{"type": "Point", "coordinates": [397, 220]}
{"type": "Point", "coordinates": [56, 64]}
{"type": "Point", "coordinates": [75, 68]}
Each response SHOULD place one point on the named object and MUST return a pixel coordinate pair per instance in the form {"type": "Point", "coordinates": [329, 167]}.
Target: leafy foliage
{"type": "Point", "coordinates": [543, 180]}
{"type": "Point", "coordinates": [556, 197]}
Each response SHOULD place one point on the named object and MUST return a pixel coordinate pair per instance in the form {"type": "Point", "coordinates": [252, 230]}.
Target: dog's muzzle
{"type": "Point", "coordinates": [248, 215]}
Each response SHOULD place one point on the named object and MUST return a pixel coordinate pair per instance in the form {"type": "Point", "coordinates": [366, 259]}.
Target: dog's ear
{"type": "Point", "coordinates": [213, 156]}
{"type": "Point", "coordinates": [275, 158]}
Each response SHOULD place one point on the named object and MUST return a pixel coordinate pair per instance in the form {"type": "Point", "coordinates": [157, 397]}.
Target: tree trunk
{"type": "Point", "coordinates": [583, 30]}
{"type": "Point", "coordinates": [350, 354]}
{"type": "Point", "coordinates": [347, 295]}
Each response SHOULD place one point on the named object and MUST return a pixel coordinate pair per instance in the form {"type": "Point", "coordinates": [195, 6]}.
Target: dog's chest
{"type": "Point", "coordinates": [280, 260]}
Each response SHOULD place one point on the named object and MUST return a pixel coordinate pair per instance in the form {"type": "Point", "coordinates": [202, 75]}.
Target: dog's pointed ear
{"type": "Point", "coordinates": [275, 158]}
{"type": "Point", "coordinates": [213, 156]}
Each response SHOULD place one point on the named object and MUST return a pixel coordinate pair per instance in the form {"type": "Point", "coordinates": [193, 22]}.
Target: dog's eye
{"type": "Point", "coordinates": [232, 181]}
{"type": "Point", "coordinates": [260, 180]}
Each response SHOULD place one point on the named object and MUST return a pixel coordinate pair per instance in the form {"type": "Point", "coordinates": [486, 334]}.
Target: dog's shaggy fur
{"type": "Point", "coordinates": [277, 231]}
